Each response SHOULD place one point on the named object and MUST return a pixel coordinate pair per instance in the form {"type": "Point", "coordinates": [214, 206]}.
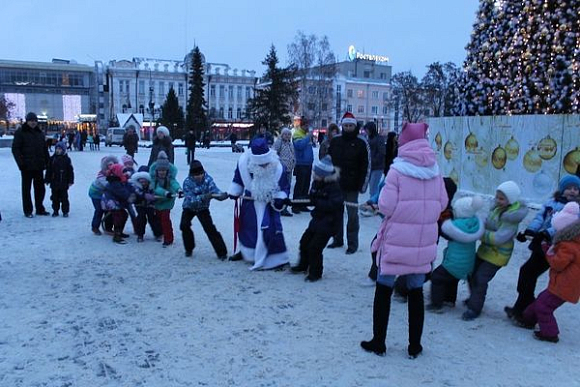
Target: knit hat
{"type": "Point", "coordinates": [127, 159]}
{"type": "Point", "coordinates": [324, 167]}
{"type": "Point", "coordinates": [411, 132]}
{"type": "Point", "coordinates": [261, 153]}
{"type": "Point", "coordinates": [511, 191]}
{"type": "Point", "coordinates": [196, 168]}
{"type": "Point", "coordinates": [140, 175]}
{"type": "Point", "coordinates": [143, 168]}
{"type": "Point", "coordinates": [567, 216]}
{"type": "Point", "coordinates": [286, 130]}
{"type": "Point", "coordinates": [162, 160]}
{"type": "Point", "coordinates": [117, 170]}
{"type": "Point", "coordinates": [567, 181]}
{"type": "Point", "coordinates": [107, 160]}
{"type": "Point", "coordinates": [164, 130]}
{"type": "Point", "coordinates": [31, 117]}
{"type": "Point", "coordinates": [348, 118]}
{"type": "Point", "coordinates": [61, 145]}
{"type": "Point", "coordinates": [467, 207]}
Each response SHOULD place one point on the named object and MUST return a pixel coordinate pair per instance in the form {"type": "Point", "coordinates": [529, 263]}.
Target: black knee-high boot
{"type": "Point", "coordinates": [381, 310]}
{"type": "Point", "coordinates": [416, 318]}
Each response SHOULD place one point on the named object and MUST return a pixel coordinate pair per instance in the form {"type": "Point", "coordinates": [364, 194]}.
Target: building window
{"type": "Point", "coordinates": [310, 106]}
{"type": "Point", "coordinates": [360, 109]}
{"type": "Point", "coordinates": [248, 92]}
{"type": "Point", "coordinates": [161, 89]}
{"type": "Point", "coordinates": [180, 89]}
{"type": "Point", "coordinates": [222, 91]}
{"type": "Point", "coordinates": [375, 94]}
{"type": "Point", "coordinates": [230, 110]}
{"type": "Point", "coordinates": [311, 89]}
{"type": "Point", "coordinates": [366, 74]}
{"type": "Point", "coordinates": [383, 76]}
{"type": "Point", "coordinates": [141, 87]}
{"type": "Point", "coordinates": [349, 93]}
{"type": "Point", "coordinates": [221, 115]}
{"type": "Point", "coordinates": [212, 91]}
{"type": "Point", "coordinates": [338, 88]}
{"type": "Point", "coordinates": [385, 96]}
{"type": "Point", "coordinates": [349, 108]}
{"type": "Point", "coordinates": [231, 92]}
{"type": "Point", "coordinates": [360, 93]}
{"type": "Point", "coordinates": [324, 123]}
{"type": "Point", "coordinates": [324, 107]}
{"type": "Point", "coordinates": [171, 86]}
{"type": "Point", "coordinates": [239, 110]}
{"type": "Point", "coordinates": [385, 110]}
{"type": "Point", "coordinates": [239, 92]}
{"type": "Point", "coordinates": [374, 109]}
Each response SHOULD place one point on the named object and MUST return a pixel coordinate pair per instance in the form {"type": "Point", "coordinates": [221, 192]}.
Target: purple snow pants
{"type": "Point", "coordinates": [542, 310]}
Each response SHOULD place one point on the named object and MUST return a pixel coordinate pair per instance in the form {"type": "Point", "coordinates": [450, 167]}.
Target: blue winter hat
{"type": "Point", "coordinates": [324, 167]}
{"type": "Point", "coordinates": [261, 153]}
{"type": "Point", "coordinates": [567, 181]}
{"type": "Point", "coordinates": [61, 145]}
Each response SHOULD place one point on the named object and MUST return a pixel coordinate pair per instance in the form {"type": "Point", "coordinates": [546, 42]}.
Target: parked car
{"type": "Point", "coordinates": [114, 136]}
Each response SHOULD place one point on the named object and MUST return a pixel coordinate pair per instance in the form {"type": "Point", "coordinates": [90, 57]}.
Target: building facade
{"type": "Point", "coordinates": [60, 91]}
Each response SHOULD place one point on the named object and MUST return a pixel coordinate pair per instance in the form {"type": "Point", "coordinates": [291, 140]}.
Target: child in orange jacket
{"type": "Point", "coordinates": [564, 285]}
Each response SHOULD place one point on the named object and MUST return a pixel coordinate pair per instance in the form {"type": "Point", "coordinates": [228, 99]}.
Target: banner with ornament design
{"type": "Point", "coordinates": [480, 152]}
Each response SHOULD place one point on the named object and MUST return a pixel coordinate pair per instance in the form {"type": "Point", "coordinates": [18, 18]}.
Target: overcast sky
{"type": "Point", "coordinates": [412, 33]}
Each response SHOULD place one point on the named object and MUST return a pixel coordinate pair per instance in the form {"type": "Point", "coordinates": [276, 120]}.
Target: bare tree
{"type": "Point", "coordinates": [316, 69]}
{"type": "Point", "coordinates": [408, 96]}
{"type": "Point", "coordinates": [439, 88]}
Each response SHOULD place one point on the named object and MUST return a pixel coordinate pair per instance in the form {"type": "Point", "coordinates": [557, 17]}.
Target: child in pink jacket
{"type": "Point", "coordinates": [411, 201]}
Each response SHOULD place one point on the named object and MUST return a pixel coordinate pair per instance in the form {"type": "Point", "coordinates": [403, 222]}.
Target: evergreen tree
{"type": "Point", "coordinates": [196, 106]}
{"type": "Point", "coordinates": [523, 58]}
{"type": "Point", "coordinates": [271, 103]}
{"type": "Point", "coordinates": [172, 115]}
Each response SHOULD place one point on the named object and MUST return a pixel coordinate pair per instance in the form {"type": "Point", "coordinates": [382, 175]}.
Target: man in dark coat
{"type": "Point", "coordinates": [131, 141]}
{"type": "Point", "coordinates": [190, 145]}
{"type": "Point", "coordinates": [31, 156]}
{"type": "Point", "coordinates": [351, 154]}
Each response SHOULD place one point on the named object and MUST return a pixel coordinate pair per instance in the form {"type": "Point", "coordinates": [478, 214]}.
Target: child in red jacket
{"type": "Point", "coordinates": [564, 285]}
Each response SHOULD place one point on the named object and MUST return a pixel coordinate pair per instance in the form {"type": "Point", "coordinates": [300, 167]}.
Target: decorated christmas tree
{"type": "Point", "coordinates": [523, 58]}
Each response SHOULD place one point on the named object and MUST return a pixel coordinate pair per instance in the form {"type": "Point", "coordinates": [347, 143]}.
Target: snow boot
{"type": "Point", "coordinates": [381, 311]}
{"type": "Point", "coordinates": [416, 309]}
{"type": "Point", "coordinates": [118, 239]}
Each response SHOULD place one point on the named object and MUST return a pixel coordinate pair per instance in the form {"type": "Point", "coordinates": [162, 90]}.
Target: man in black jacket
{"type": "Point", "coordinates": [131, 141]}
{"type": "Point", "coordinates": [31, 155]}
{"type": "Point", "coordinates": [351, 153]}
{"type": "Point", "coordinates": [190, 145]}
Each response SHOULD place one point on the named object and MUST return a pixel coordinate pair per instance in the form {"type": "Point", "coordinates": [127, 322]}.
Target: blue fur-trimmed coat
{"type": "Point", "coordinates": [271, 243]}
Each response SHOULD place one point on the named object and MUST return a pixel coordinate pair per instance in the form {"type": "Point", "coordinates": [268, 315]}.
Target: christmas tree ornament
{"type": "Point", "coordinates": [438, 141]}
{"type": "Point", "coordinates": [448, 150]}
{"type": "Point", "coordinates": [547, 148]}
{"type": "Point", "coordinates": [498, 157]}
{"type": "Point", "coordinates": [512, 148]}
{"type": "Point", "coordinates": [572, 160]}
{"type": "Point", "coordinates": [532, 161]}
{"type": "Point", "coordinates": [471, 143]}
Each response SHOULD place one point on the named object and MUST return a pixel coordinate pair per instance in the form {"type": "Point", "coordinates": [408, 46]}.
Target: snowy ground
{"type": "Point", "coordinates": [78, 310]}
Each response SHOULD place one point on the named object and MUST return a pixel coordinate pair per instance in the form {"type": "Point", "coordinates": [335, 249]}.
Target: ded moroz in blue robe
{"type": "Point", "coordinates": [261, 242]}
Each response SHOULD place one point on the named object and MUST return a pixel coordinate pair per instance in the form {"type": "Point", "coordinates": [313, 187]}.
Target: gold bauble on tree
{"type": "Point", "coordinates": [512, 148]}
{"type": "Point", "coordinates": [481, 157]}
{"type": "Point", "coordinates": [438, 140]}
{"type": "Point", "coordinates": [448, 150]}
{"type": "Point", "coordinates": [547, 148]}
{"type": "Point", "coordinates": [572, 160]}
{"type": "Point", "coordinates": [471, 143]}
{"type": "Point", "coordinates": [532, 161]}
{"type": "Point", "coordinates": [499, 157]}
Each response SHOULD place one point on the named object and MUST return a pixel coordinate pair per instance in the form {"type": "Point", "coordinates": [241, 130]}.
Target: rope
{"type": "Point", "coordinates": [303, 201]}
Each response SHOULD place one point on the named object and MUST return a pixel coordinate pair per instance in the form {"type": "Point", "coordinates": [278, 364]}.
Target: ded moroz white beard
{"type": "Point", "coordinates": [264, 183]}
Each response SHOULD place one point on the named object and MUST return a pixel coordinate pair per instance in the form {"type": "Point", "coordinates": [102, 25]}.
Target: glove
{"type": "Point", "coordinates": [149, 197]}
{"type": "Point", "coordinates": [545, 236]}
{"type": "Point", "coordinates": [521, 237]}
{"type": "Point", "coordinates": [233, 197]}
{"type": "Point", "coordinates": [530, 233]}
{"type": "Point", "coordinates": [206, 197]}
{"type": "Point", "coordinates": [180, 194]}
{"type": "Point", "coordinates": [168, 195]}
{"type": "Point", "coordinates": [278, 204]}
{"type": "Point", "coordinates": [287, 202]}
{"type": "Point", "coordinates": [222, 196]}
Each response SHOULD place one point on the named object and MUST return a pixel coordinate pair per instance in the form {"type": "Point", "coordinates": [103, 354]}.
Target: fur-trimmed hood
{"type": "Point", "coordinates": [568, 233]}
{"type": "Point", "coordinates": [464, 230]}
{"type": "Point", "coordinates": [334, 176]}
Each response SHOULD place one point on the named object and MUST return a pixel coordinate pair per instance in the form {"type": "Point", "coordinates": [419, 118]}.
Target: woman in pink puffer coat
{"type": "Point", "coordinates": [411, 201]}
